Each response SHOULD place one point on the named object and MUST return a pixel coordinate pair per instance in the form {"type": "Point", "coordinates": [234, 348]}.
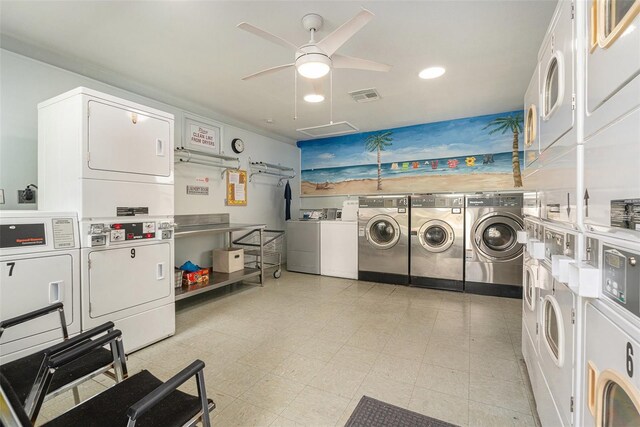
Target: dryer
{"type": "Point", "coordinates": [437, 241]}
{"type": "Point", "coordinates": [533, 253]}
{"type": "Point", "coordinates": [532, 123]}
{"type": "Point", "coordinates": [383, 239]}
{"type": "Point", "coordinates": [612, 62]}
{"type": "Point", "coordinates": [493, 256]}
{"type": "Point", "coordinates": [612, 339]}
{"type": "Point", "coordinates": [39, 266]}
{"type": "Point", "coordinates": [557, 330]}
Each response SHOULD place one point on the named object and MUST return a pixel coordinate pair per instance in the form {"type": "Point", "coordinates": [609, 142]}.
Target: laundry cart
{"type": "Point", "coordinates": [270, 255]}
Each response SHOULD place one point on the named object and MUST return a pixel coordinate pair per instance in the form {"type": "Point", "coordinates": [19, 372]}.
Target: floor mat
{"type": "Point", "coordinates": [372, 412]}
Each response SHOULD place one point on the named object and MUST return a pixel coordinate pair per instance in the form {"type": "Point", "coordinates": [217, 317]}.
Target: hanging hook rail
{"type": "Point", "coordinates": [184, 155]}
{"type": "Point", "coordinates": [263, 168]}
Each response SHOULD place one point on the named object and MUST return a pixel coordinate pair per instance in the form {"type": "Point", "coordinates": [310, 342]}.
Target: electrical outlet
{"type": "Point", "coordinates": [23, 200]}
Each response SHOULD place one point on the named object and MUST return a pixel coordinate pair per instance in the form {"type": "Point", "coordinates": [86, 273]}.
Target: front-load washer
{"type": "Point", "coordinates": [557, 330]}
{"type": "Point", "coordinates": [493, 256]}
{"type": "Point", "coordinates": [383, 239]}
{"type": "Point", "coordinates": [437, 241]}
{"type": "Point", "coordinates": [611, 394]}
{"type": "Point", "coordinates": [39, 266]}
{"type": "Point", "coordinates": [611, 180]}
{"type": "Point", "coordinates": [612, 62]}
{"type": "Point", "coordinates": [556, 64]}
{"type": "Point", "coordinates": [127, 278]}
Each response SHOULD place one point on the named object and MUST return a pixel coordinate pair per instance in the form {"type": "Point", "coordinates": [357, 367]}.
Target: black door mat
{"type": "Point", "coordinates": [372, 412]}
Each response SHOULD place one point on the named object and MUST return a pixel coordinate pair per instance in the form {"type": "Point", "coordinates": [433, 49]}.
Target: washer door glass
{"type": "Point", "coordinates": [436, 236]}
{"type": "Point", "coordinates": [619, 409]}
{"type": "Point", "coordinates": [552, 329]}
{"type": "Point", "coordinates": [529, 288]}
{"type": "Point", "coordinates": [496, 237]}
{"type": "Point", "coordinates": [383, 232]}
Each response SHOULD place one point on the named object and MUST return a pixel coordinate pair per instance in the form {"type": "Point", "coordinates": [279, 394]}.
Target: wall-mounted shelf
{"type": "Point", "coordinates": [270, 169]}
{"type": "Point", "coordinates": [184, 155]}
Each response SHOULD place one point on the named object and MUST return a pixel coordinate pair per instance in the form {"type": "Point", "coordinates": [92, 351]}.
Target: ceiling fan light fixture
{"type": "Point", "coordinates": [314, 98]}
{"type": "Point", "coordinates": [431, 73]}
{"type": "Point", "coordinates": [313, 65]}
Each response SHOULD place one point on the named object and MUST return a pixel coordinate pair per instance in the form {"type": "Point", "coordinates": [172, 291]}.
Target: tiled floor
{"type": "Point", "coordinates": [303, 350]}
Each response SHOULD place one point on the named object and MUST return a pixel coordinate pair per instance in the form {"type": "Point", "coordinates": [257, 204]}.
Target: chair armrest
{"type": "Point", "coordinates": [143, 405]}
{"type": "Point", "coordinates": [69, 355]}
{"type": "Point", "coordinates": [30, 316]}
{"type": "Point", "coordinates": [87, 335]}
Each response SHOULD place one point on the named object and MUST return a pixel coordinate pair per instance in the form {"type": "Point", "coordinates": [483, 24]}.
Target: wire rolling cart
{"type": "Point", "coordinates": [272, 249]}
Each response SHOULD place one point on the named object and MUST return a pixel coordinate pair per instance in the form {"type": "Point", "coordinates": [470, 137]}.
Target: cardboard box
{"type": "Point", "coordinates": [228, 260]}
{"type": "Point", "coordinates": [198, 277]}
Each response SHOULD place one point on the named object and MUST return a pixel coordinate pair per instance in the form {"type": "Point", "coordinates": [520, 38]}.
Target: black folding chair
{"type": "Point", "coordinates": [140, 400]}
{"type": "Point", "coordinates": [34, 379]}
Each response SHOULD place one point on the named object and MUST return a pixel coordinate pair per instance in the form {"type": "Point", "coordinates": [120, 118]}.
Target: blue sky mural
{"type": "Point", "coordinates": [428, 157]}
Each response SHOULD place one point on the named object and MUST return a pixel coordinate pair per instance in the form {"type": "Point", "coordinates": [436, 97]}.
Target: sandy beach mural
{"type": "Point", "coordinates": [471, 154]}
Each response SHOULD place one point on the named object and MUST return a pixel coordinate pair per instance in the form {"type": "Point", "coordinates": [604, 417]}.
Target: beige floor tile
{"type": "Point", "coordinates": [298, 368]}
{"type": "Point", "coordinates": [505, 394]}
{"type": "Point", "coordinates": [500, 348]}
{"type": "Point", "coordinates": [406, 348]}
{"type": "Point", "coordinates": [385, 389]}
{"type": "Point", "coordinates": [447, 357]}
{"type": "Point", "coordinates": [489, 366]}
{"type": "Point", "coordinates": [265, 357]}
{"type": "Point", "coordinates": [481, 415]}
{"type": "Point", "coordinates": [318, 349]}
{"type": "Point", "coordinates": [369, 339]}
{"type": "Point", "coordinates": [241, 414]}
{"type": "Point", "coordinates": [234, 378]}
{"type": "Point", "coordinates": [441, 406]}
{"type": "Point", "coordinates": [283, 422]}
{"type": "Point", "coordinates": [338, 379]}
{"type": "Point", "coordinates": [444, 380]}
{"type": "Point", "coordinates": [272, 393]}
{"type": "Point", "coordinates": [397, 369]}
{"type": "Point", "coordinates": [355, 358]}
{"type": "Point", "coordinates": [315, 407]}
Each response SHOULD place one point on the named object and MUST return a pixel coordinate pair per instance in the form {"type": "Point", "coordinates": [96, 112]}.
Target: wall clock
{"type": "Point", "coordinates": [237, 145]}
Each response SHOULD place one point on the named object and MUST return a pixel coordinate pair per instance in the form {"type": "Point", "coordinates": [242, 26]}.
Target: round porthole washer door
{"type": "Point", "coordinates": [382, 232]}
{"type": "Point", "coordinates": [436, 236]}
{"type": "Point", "coordinates": [501, 223]}
{"type": "Point", "coordinates": [529, 284]}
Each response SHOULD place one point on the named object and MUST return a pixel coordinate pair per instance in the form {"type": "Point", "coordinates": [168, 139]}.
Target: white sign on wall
{"type": "Point", "coordinates": [202, 134]}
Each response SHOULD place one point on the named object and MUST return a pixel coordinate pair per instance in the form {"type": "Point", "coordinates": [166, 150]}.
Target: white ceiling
{"type": "Point", "coordinates": [192, 50]}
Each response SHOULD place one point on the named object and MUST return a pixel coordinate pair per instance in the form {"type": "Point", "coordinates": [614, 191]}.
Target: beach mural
{"type": "Point", "coordinates": [471, 154]}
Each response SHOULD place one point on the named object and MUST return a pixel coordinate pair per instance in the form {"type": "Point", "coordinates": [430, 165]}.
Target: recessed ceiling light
{"type": "Point", "coordinates": [314, 97]}
{"type": "Point", "coordinates": [431, 72]}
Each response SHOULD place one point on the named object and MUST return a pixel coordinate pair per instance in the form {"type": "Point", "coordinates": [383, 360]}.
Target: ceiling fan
{"type": "Point", "coordinates": [315, 59]}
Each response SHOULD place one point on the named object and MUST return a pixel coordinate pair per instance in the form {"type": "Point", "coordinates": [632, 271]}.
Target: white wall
{"type": "Point", "coordinates": [24, 82]}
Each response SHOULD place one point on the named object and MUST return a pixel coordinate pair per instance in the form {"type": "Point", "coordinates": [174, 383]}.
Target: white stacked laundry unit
{"type": "Point", "coordinates": [111, 161]}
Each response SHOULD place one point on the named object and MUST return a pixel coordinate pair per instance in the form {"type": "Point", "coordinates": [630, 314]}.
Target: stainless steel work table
{"type": "Point", "coordinates": [190, 225]}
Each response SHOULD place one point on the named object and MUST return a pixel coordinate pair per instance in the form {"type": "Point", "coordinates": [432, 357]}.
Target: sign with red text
{"type": "Point", "coordinates": [202, 134]}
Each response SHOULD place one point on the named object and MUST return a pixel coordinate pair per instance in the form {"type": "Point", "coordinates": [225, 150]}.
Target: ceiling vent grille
{"type": "Point", "coordinates": [330, 129]}
{"type": "Point", "coordinates": [365, 95]}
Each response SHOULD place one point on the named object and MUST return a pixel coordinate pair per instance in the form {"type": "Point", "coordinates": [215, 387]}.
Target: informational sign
{"type": "Point", "coordinates": [202, 134]}
{"type": "Point", "coordinates": [626, 214]}
{"type": "Point", "coordinates": [236, 188]}
{"type": "Point", "coordinates": [197, 190]}
{"type": "Point", "coordinates": [63, 233]}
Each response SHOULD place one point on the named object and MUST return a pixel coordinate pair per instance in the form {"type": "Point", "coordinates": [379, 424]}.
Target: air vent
{"type": "Point", "coordinates": [365, 95]}
{"type": "Point", "coordinates": [331, 129]}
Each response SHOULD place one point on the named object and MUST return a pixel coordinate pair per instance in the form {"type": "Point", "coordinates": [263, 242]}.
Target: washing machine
{"type": "Point", "coordinates": [437, 241]}
{"type": "Point", "coordinates": [557, 328]}
{"type": "Point", "coordinates": [383, 239]}
{"type": "Point", "coordinates": [612, 339]}
{"type": "Point", "coordinates": [611, 180]}
{"type": "Point", "coordinates": [39, 266]}
{"type": "Point", "coordinates": [127, 278]}
{"type": "Point", "coordinates": [493, 255]}
{"type": "Point", "coordinates": [557, 76]}
{"type": "Point", "coordinates": [612, 62]}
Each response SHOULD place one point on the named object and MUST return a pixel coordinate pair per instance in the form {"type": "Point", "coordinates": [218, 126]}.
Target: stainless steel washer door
{"type": "Point", "coordinates": [436, 236]}
{"type": "Point", "coordinates": [383, 232]}
{"type": "Point", "coordinates": [495, 236]}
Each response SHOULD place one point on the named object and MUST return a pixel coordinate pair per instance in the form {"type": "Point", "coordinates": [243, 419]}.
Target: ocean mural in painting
{"type": "Point", "coordinates": [479, 153]}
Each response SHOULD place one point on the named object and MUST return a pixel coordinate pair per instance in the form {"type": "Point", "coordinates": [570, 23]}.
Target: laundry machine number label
{"type": "Point", "coordinates": [133, 253]}
{"type": "Point", "coordinates": [629, 360]}
{"type": "Point", "coordinates": [11, 266]}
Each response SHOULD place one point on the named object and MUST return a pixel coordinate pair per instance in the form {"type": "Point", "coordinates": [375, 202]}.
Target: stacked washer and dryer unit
{"type": "Point", "coordinates": [581, 305]}
{"type": "Point", "coordinates": [111, 161]}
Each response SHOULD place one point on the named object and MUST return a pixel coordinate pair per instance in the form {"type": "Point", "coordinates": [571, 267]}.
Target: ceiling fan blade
{"type": "Point", "coordinates": [266, 35]}
{"type": "Point", "coordinates": [342, 61]}
{"type": "Point", "coordinates": [268, 71]}
{"type": "Point", "coordinates": [342, 34]}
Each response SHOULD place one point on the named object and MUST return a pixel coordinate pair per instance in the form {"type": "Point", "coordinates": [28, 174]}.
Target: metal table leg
{"type": "Point", "coordinates": [261, 257]}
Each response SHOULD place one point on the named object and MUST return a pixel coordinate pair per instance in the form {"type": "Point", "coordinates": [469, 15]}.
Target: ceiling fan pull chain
{"type": "Point", "coordinates": [295, 94]}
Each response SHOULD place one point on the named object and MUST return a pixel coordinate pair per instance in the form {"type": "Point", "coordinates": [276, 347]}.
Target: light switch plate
{"type": "Point", "coordinates": [1, 196]}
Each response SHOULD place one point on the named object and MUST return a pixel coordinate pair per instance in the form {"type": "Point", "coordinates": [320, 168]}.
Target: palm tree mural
{"type": "Point", "coordinates": [513, 124]}
{"type": "Point", "coordinates": [378, 142]}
